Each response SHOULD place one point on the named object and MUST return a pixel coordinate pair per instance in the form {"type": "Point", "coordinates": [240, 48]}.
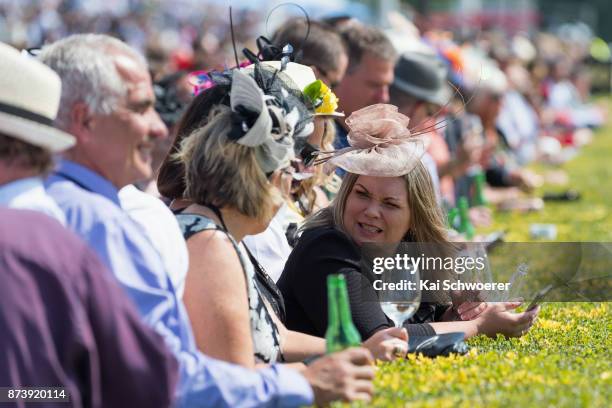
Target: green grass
{"type": "Point", "coordinates": [566, 358]}
{"type": "Point", "coordinates": [563, 361]}
{"type": "Point", "coordinates": [589, 219]}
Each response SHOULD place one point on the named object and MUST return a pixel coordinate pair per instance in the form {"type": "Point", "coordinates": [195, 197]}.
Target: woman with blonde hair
{"type": "Point", "coordinates": [386, 197]}
{"type": "Point", "coordinates": [308, 188]}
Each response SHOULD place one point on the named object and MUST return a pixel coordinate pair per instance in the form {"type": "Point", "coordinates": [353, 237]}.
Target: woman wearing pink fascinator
{"type": "Point", "coordinates": [387, 196]}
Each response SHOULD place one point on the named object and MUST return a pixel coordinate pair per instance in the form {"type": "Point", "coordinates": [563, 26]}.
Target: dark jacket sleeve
{"type": "Point", "coordinates": [320, 253]}
{"type": "Point", "coordinates": [497, 176]}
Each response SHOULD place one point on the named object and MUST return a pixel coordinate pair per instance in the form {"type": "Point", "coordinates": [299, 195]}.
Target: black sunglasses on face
{"type": "Point", "coordinates": [308, 154]}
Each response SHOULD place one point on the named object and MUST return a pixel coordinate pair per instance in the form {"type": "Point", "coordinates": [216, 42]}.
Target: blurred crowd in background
{"type": "Point", "coordinates": [173, 35]}
{"type": "Point", "coordinates": [524, 94]}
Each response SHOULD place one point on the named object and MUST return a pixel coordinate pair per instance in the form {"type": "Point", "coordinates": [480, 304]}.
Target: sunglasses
{"type": "Point", "coordinates": [309, 154]}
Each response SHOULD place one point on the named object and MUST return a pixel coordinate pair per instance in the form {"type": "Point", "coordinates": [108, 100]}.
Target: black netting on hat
{"type": "Point", "coordinates": [278, 84]}
{"type": "Point", "coordinates": [167, 101]}
{"type": "Point", "coordinates": [221, 77]}
{"type": "Point", "coordinates": [286, 95]}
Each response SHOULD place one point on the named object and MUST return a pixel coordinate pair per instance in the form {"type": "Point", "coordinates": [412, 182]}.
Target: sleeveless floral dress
{"type": "Point", "coordinates": [265, 334]}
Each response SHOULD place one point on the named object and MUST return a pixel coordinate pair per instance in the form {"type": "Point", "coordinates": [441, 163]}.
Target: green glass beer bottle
{"type": "Point", "coordinates": [479, 183]}
{"type": "Point", "coordinates": [341, 332]}
{"type": "Point", "coordinates": [452, 215]}
{"type": "Point", "coordinates": [466, 227]}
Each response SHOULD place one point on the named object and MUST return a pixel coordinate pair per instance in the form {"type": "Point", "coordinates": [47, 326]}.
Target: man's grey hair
{"type": "Point", "coordinates": [360, 39]}
{"type": "Point", "coordinates": [85, 63]}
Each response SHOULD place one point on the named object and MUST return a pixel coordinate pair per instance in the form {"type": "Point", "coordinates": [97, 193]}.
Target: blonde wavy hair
{"type": "Point", "coordinates": [427, 219]}
{"type": "Point", "coordinates": [319, 178]}
{"type": "Point", "coordinates": [220, 172]}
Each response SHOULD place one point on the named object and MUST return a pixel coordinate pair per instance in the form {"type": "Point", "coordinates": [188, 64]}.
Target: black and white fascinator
{"type": "Point", "coordinates": [259, 121]}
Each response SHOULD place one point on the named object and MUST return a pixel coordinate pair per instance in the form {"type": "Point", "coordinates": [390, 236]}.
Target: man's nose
{"type": "Point", "coordinates": [382, 95]}
{"type": "Point", "coordinates": [385, 94]}
{"type": "Point", "coordinates": [158, 128]}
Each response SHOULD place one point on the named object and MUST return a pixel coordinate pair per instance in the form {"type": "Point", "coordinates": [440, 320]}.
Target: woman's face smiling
{"type": "Point", "coordinates": [377, 210]}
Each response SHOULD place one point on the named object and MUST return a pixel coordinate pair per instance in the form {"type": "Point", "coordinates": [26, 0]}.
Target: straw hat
{"type": "Point", "coordinates": [302, 75]}
{"type": "Point", "coordinates": [29, 100]}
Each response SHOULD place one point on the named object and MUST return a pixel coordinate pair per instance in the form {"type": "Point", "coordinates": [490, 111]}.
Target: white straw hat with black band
{"type": "Point", "coordinates": [30, 94]}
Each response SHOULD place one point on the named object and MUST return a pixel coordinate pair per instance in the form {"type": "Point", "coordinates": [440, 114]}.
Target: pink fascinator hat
{"type": "Point", "coordinates": [381, 144]}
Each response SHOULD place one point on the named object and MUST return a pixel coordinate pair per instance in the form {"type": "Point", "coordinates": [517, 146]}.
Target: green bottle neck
{"type": "Point", "coordinates": [466, 226]}
{"type": "Point", "coordinates": [479, 182]}
{"type": "Point", "coordinates": [341, 332]}
{"type": "Point", "coordinates": [343, 304]}
{"type": "Point", "coordinates": [332, 303]}
{"type": "Point", "coordinates": [463, 211]}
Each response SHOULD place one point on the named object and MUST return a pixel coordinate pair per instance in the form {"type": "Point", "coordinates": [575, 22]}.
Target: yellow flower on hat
{"type": "Point", "coordinates": [330, 101]}
{"type": "Point", "coordinates": [324, 101]}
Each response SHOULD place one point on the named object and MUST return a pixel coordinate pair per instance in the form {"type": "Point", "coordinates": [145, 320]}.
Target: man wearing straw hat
{"type": "Point", "coordinates": [62, 318]}
{"type": "Point", "coordinates": [29, 100]}
{"type": "Point", "coordinates": [107, 103]}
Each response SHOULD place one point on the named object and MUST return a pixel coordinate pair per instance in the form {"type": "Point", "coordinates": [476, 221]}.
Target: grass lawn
{"type": "Point", "coordinates": [566, 359]}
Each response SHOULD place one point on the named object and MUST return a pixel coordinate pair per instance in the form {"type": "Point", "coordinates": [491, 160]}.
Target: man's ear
{"type": "Point", "coordinates": [316, 71]}
{"type": "Point", "coordinates": [81, 121]}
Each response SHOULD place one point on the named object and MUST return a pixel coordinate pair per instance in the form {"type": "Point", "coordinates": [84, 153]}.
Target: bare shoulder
{"type": "Point", "coordinates": [211, 239]}
{"type": "Point", "coordinates": [212, 247]}
{"type": "Point", "coordinates": [211, 250]}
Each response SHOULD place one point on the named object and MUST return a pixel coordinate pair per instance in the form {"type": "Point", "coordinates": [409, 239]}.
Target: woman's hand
{"type": "Point", "coordinates": [464, 311]}
{"type": "Point", "coordinates": [471, 310]}
{"type": "Point", "coordinates": [467, 305]}
{"type": "Point", "coordinates": [480, 216]}
{"type": "Point", "coordinates": [388, 344]}
{"type": "Point", "coordinates": [498, 318]}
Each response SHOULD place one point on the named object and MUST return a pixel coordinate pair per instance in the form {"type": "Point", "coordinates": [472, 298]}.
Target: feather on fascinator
{"type": "Point", "coordinates": [380, 144]}
{"type": "Point", "coordinates": [255, 115]}
{"type": "Point", "coordinates": [281, 92]}
{"type": "Point", "coordinates": [269, 110]}
{"type": "Point", "coordinates": [284, 86]}
{"type": "Point", "coordinates": [251, 117]}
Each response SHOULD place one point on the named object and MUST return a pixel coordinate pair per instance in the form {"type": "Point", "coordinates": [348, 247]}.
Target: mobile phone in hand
{"type": "Point", "coordinates": [568, 195]}
{"type": "Point", "coordinates": [493, 239]}
{"type": "Point", "coordinates": [538, 297]}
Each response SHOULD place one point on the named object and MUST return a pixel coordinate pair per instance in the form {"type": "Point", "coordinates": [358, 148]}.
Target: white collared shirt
{"type": "Point", "coordinates": [162, 229]}
{"type": "Point", "coordinates": [29, 194]}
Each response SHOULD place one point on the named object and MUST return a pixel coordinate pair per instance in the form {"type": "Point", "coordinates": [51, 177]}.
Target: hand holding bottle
{"type": "Point", "coordinates": [346, 375]}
